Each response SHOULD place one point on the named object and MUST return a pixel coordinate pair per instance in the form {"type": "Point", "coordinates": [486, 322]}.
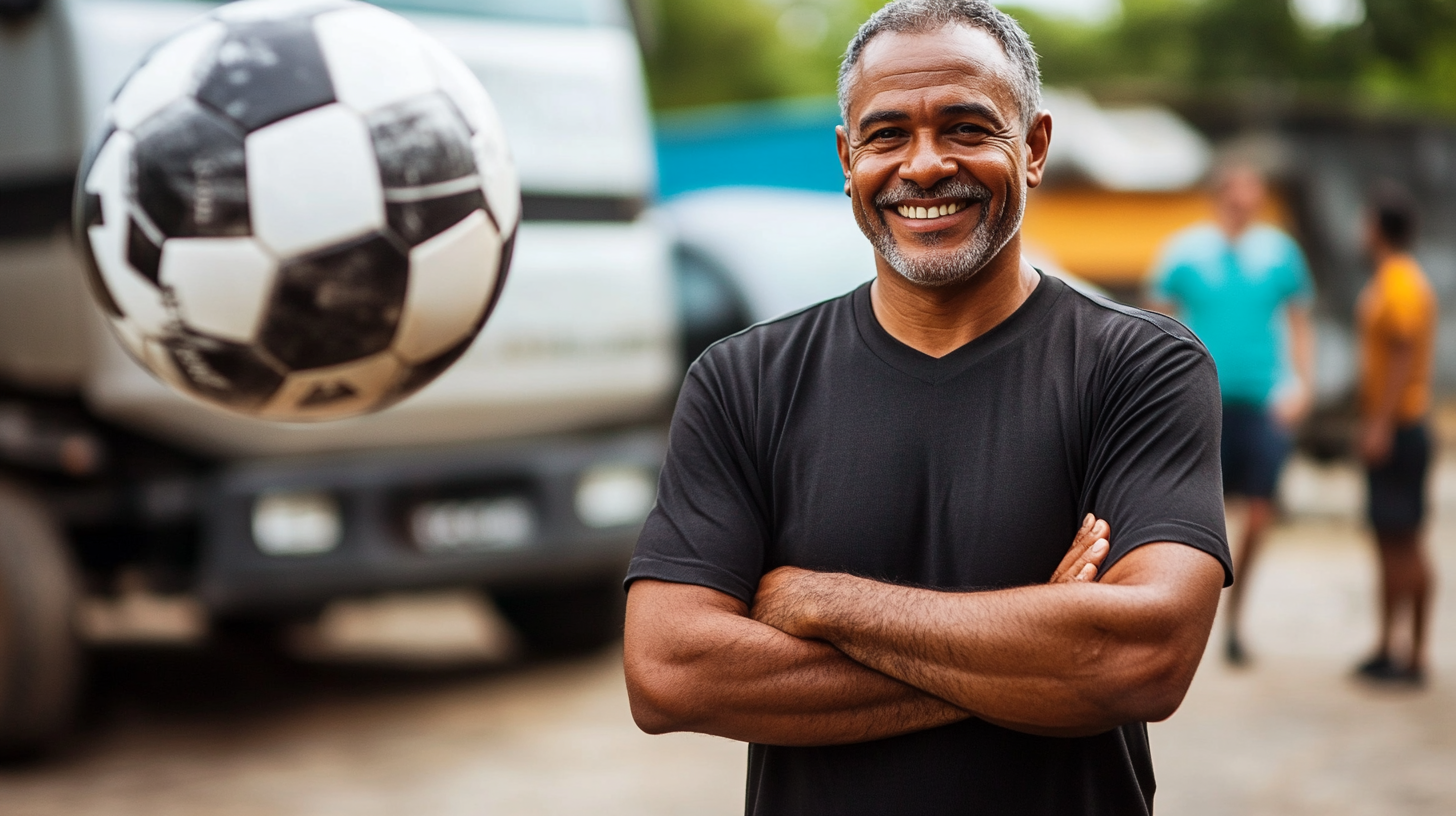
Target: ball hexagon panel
{"type": "Point", "coordinates": [191, 175]}
{"type": "Point", "coordinates": [336, 391]}
{"type": "Point", "coordinates": [169, 74]}
{"type": "Point", "coordinates": [338, 305]}
{"type": "Point", "coordinates": [221, 286]}
{"type": "Point", "coordinates": [313, 181]}
{"type": "Point", "coordinates": [373, 57]}
{"type": "Point", "coordinates": [267, 70]}
{"type": "Point", "coordinates": [450, 283]}
{"type": "Point", "coordinates": [233, 374]}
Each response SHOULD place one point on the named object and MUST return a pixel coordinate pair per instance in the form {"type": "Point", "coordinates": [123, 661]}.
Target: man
{"type": "Point", "coordinates": [859, 557]}
{"type": "Point", "coordinates": [1397, 320]}
{"type": "Point", "coordinates": [1231, 282]}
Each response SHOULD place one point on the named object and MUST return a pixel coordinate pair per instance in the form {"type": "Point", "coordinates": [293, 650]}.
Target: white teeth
{"type": "Point", "coordinates": [931, 212]}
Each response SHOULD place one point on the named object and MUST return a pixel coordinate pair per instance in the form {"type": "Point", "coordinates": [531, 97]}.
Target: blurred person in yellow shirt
{"type": "Point", "coordinates": [1397, 314]}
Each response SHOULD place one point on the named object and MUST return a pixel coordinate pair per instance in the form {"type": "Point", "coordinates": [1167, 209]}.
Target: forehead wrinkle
{"type": "Point", "coordinates": [967, 65]}
{"type": "Point", "coordinates": [967, 76]}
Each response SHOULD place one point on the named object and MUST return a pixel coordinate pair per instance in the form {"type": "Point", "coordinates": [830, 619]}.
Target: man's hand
{"type": "Point", "coordinates": [789, 597]}
{"type": "Point", "coordinates": [1292, 407]}
{"type": "Point", "coordinates": [1089, 549]}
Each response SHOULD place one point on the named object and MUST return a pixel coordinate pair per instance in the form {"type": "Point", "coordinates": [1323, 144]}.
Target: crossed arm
{"type": "Point", "coordinates": [823, 659]}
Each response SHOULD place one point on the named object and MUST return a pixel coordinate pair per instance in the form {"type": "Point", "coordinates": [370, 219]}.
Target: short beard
{"type": "Point", "coordinates": [960, 264]}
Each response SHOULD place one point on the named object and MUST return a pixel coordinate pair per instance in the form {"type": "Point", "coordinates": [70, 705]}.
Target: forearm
{"type": "Point", "coordinates": [1060, 659]}
{"type": "Point", "coordinates": [1302, 346]}
{"type": "Point", "coordinates": [721, 673]}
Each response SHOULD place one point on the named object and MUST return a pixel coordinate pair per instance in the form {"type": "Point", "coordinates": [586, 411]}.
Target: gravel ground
{"type": "Point", "coordinates": [174, 730]}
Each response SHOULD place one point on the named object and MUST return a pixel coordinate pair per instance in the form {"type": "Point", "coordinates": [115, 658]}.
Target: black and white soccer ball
{"type": "Point", "coordinates": [298, 210]}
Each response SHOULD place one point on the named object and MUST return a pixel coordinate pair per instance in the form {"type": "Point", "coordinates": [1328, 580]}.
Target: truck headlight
{"type": "Point", "coordinates": [304, 523]}
{"type": "Point", "coordinates": [615, 495]}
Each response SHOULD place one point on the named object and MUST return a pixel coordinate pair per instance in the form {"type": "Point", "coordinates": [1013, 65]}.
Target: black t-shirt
{"type": "Point", "coordinates": [819, 441]}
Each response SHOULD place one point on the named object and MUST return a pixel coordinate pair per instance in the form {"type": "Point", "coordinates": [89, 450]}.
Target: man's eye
{"type": "Point", "coordinates": [887, 133]}
{"type": "Point", "coordinates": [969, 130]}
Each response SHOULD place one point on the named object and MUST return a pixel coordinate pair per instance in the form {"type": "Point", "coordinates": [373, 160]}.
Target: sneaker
{"type": "Point", "coordinates": [1233, 651]}
{"type": "Point", "coordinates": [1381, 669]}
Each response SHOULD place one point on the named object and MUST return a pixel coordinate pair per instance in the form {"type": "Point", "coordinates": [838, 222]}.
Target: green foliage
{"type": "Point", "coordinates": [1402, 56]}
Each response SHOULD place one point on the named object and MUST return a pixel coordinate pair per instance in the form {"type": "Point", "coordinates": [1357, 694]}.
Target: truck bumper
{"type": "Point", "coordinates": [378, 496]}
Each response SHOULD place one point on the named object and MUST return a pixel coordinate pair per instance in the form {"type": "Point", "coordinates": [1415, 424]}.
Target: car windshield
{"type": "Point", "coordinates": [568, 12]}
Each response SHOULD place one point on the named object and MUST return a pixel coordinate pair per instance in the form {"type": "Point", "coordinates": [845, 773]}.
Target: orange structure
{"type": "Point", "coordinates": [1113, 238]}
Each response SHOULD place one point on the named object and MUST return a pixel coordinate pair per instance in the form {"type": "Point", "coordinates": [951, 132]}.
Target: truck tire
{"type": "Point", "coordinates": [571, 619]}
{"type": "Point", "coordinates": [40, 659]}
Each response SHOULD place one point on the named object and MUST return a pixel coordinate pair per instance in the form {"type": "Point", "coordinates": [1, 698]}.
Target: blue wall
{"type": "Point", "coordinates": [777, 144]}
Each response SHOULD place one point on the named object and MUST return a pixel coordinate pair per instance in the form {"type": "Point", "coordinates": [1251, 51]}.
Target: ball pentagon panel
{"type": "Point", "coordinates": [191, 176]}
{"type": "Point", "coordinates": [338, 305]}
{"type": "Point", "coordinates": [234, 374]}
{"type": "Point", "coordinates": [265, 71]}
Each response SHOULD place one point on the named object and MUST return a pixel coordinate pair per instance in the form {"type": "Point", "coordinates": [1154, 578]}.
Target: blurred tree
{"type": "Point", "coordinates": [1402, 55]}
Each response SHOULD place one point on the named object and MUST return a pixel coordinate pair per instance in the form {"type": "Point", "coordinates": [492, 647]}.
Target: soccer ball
{"type": "Point", "coordinates": [298, 210]}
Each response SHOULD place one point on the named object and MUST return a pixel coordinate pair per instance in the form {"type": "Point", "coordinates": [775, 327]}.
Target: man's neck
{"type": "Point", "coordinates": [938, 320]}
{"type": "Point", "coordinates": [1234, 229]}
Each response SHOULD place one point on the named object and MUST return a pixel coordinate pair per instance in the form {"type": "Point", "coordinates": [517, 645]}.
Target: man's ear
{"type": "Point", "coordinates": [841, 140]}
{"type": "Point", "coordinates": [1038, 144]}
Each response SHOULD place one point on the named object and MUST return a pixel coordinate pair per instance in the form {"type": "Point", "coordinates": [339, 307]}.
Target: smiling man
{"type": "Point", "coordinates": [859, 562]}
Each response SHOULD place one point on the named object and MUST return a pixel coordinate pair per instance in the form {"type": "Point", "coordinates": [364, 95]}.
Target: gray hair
{"type": "Point", "coordinates": [928, 15]}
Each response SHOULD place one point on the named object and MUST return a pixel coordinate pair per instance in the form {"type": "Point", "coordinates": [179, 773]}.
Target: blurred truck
{"type": "Point", "coordinates": [525, 470]}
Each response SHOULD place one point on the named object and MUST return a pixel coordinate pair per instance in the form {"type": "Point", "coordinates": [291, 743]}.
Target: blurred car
{"type": "Point", "coordinates": [748, 254]}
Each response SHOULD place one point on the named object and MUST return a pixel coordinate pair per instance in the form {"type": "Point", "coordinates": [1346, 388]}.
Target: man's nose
{"type": "Point", "coordinates": [926, 164]}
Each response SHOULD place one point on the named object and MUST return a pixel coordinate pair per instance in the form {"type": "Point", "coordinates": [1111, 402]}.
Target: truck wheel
{"type": "Point", "coordinates": [565, 619]}
{"type": "Point", "coordinates": [40, 660]}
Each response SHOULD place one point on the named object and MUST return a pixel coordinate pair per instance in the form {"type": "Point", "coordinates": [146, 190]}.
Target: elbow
{"type": "Point", "coordinates": [1154, 691]}
{"type": "Point", "coordinates": [654, 694]}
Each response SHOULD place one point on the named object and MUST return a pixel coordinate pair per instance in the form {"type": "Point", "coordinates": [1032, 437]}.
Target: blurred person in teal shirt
{"type": "Point", "coordinates": [1243, 286]}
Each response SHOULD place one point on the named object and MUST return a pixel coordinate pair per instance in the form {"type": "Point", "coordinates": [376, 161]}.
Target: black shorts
{"type": "Point", "coordinates": [1254, 449]}
{"type": "Point", "coordinates": [1398, 486]}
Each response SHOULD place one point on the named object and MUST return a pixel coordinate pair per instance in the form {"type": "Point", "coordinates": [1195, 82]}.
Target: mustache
{"type": "Point", "coordinates": [907, 190]}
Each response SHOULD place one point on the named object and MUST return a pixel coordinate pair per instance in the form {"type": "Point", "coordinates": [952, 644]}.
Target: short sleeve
{"type": "Point", "coordinates": [709, 525]}
{"type": "Point", "coordinates": [1298, 285]}
{"type": "Point", "coordinates": [1154, 472]}
{"type": "Point", "coordinates": [1405, 311]}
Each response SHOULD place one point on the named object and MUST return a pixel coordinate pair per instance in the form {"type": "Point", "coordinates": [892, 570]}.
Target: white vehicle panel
{"type": "Point", "coordinates": [571, 98]}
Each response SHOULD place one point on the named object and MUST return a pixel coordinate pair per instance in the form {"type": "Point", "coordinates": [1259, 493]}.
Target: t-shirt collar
{"type": "Point", "coordinates": [936, 370]}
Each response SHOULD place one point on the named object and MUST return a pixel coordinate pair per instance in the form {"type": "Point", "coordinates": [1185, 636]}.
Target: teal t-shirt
{"type": "Point", "coordinates": [1232, 295]}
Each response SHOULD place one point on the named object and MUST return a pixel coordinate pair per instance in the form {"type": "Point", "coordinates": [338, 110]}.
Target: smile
{"type": "Point", "coordinates": [913, 212]}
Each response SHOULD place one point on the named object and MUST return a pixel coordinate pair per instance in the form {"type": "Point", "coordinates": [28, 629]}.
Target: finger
{"type": "Point", "coordinates": [1091, 557]}
{"type": "Point", "coordinates": [1081, 553]}
{"type": "Point", "coordinates": [1087, 574]}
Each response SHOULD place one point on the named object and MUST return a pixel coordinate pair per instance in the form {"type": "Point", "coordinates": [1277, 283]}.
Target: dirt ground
{"type": "Point", "coordinates": [172, 730]}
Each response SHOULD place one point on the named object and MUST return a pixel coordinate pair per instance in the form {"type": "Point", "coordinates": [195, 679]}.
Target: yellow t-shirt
{"type": "Point", "coordinates": [1396, 307]}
